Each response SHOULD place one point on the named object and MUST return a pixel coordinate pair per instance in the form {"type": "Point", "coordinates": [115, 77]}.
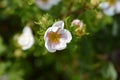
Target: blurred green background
{"type": "Point", "coordinates": [89, 57]}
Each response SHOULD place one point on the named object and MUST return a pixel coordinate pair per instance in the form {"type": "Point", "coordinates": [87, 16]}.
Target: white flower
{"type": "Point", "coordinates": [47, 4]}
{"type": "Point", "coordinates": [78, 23]}
{"type": "Point", "coordinates": [26, 40]}
{"type": "Point", "coordinates": [111, 7]}
{"type": "Point", "coordinates": [4, 77]}
{"type": "Point", "coordinates": [56, 37]}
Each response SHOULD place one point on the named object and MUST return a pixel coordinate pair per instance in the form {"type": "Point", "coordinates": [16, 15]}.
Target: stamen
{"type": "Point", "coordinates": [54, 37]}
{"type": "Point", "coordinates": [112, 2]}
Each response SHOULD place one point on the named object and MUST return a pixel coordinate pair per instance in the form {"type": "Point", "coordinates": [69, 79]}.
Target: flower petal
{"type": "Point", "coordinates": [49, 47]}
{"type": "Point", "coordinates": [62, 45]}
{"type": "Point", "coordinates": [117, 6]}
{"type": "Point", "coordinates": [54, 2]}
{"type": "Point", "coordinates": [107, 8]}
{"type": "Point", "coordinates": [44, 5]}
{"type": "Point", "coordinates": [55, 29]}
{"type": "Point", "coordinates": [50, 29]}
{"type": "Point", "coordinates": [78, 23]}
{"type": "Point", "coordinates": [104, 5]}
{"type": "Point", "coordinates": [29, 44]}
{"type": "Point", "coordinates": [75, 22]}
{"type": "Point", "coordinates": [47, 31]}
{"type": "Point", "coordinates": [26, 40]}
{"type": "Point", "coordinates": [27, 30]}
{"type": "Point", "coordinates": [110, 11]}
{"type": "Point", "coordinates": [58, 24]}
{"type": "Point", "coordinates": [66, 35]}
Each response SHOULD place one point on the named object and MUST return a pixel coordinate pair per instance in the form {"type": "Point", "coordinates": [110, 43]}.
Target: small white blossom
{"type": "Point", "coordinates": [47, 4]}
{"type": "Point", "coordinates": [56, 37]}
{"type": "Point", "coordinates": [111, 7]}
{"type": "Point", "coordinates": [4, 77]}
{"type": "Point", "coordinates": [26, 39]}
{"type": "Point", "coordinates": [78, 23]}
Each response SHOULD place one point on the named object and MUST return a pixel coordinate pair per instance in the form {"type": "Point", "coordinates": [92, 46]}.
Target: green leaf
{"type": "Point", "coordinates": [109, 72]}
{"type": "Point", "coordinates": [2, 46]}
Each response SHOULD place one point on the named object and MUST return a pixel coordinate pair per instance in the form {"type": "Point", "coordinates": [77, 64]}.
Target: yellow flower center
{"type": "Point", "coordinates": [54, 37]}
{"type": "Point", "coordinates": [45, 1]}
{"type": "Point", "coordinates": [112, 2]}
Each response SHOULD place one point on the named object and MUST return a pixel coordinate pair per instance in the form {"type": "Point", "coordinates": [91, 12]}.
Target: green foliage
{"type": "Point", "coordinates": [2, 46]}
{"type": "Point", "coordinates": [109, 72]}
{"type": "Point", "coordinates": [86, 56]}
